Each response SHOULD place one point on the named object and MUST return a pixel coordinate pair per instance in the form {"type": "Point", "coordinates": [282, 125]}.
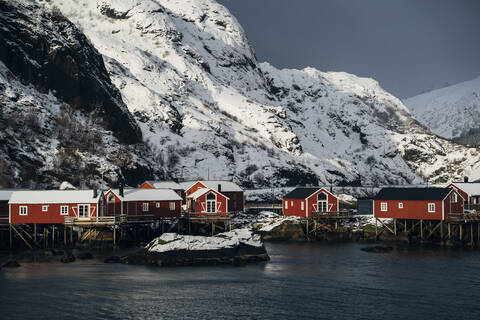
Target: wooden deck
{"type": "Point", "coordinates": [463, 218]}
{"type": "Point", "coordinates": [208, 217]}
{"type": "Point", "coordinates": [332, 215]}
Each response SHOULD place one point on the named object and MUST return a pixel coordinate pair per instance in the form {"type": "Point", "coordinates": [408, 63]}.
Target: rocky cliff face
{"type": "Point", "coordinates": [204, 104]}
{"type": "Point", "coordinates": [62, 118]}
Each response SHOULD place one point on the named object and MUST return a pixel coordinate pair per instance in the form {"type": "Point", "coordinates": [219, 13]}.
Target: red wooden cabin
{"type": "Point", "coordinates": [303, 202]}
{"type": "Point", "coordinates": [470, 191]}
{"type": "Point", "coordinates": [143, 202]}
{"type": "Point", "coordinates": [52, 206]}
{"type": "Point", "coordinates": [417, 203]}
{"type": "Point", "coordinates": [228, 188]}
{"type": "Point", "coordinates": [207, 200]}
{"type": "Point", "coordinates": [5, 195]}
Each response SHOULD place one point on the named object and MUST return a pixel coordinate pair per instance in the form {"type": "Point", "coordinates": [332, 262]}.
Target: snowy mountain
{"type": "Point", "coordinates": [450, 112]}
{"type": "Point", "coordinates": [206, 106]}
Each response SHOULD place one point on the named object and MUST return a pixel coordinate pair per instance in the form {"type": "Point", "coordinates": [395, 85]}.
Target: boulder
{"type": "Point", "coordinates": [11, 264]}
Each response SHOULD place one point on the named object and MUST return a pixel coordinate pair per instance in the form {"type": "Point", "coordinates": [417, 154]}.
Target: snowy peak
{"type": "Point", "coordinates": [451, 112]}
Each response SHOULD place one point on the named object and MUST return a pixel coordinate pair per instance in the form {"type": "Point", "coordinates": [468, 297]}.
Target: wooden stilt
{"type": "Point", "coordinates": [53, 237]}
{"type": "Point", "coordinates": [71, 236]}
{"type": "Point", "coordinates": [421, 229]}
{"type": "Point", "coordinates": [376, 228]}
{"type": "Point", "coordinates": [395, 226]}
{"type": "Point", "coordinates": [471, 234]}
{"type": "Point", "coordinates": [405, 226]}
{"type": "Point", "coordinates": [213, 228]}
{"type": "Point", "coordinates": [65, 236]}
{"type": "Point", "coordinates": [441, 230]}
{"type": "Point", "coordinates": [11, 236]}
{"type": "Point", "coordinates": [114, 237]}
{"type": "Point", "coordinates": [45, 237]}
{"type": "Point", "coordinates": [461, 232]}
{"type": "Point", "coordinates": [34, 234]}
{"type": "Point", "coordinates": [478, 233]}
{"type": "Point", "coordinates": [230, 225]}
{"type": "Point", "coordinates": [307, 227]}
{"type": "Point", "coordinates": [449, 232]}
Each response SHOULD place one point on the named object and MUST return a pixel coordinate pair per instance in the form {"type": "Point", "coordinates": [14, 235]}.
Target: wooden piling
{"type": "Point", "coordinates": [395, 226]}
{"type": "Point", "coordinates": [53, 237]}
{"type": "Point", "coordinates": [461, 232]}
{"type": "Point", "coordinates": [376, 228]}
{"type": "Point", "coordinates": [449, 232]}
{"type": "Point", "coordinates": [421, 229]}
{"type": "Point", "coordinates": [11, 236]}
{"type": "Point", "coordinates": [471, 234]}
{"type": "Point", "coordinates": [405, 226]}
{"type": "Point", "coordinates": [34, 234]}
{"type": "Point", "coordinates": [65, 236]}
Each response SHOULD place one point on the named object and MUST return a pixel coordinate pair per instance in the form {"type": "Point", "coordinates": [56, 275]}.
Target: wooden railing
{"type": "Point", "coordinates": [211, 216]}
{"type": "Point", "coordinates": [464, 217]}
{"type": "Point", "coordinates": [331, 214]}
{"type": "Point", "coordinates": [109, 220]}
{"type": "Point", "coordinates": [4, 221]}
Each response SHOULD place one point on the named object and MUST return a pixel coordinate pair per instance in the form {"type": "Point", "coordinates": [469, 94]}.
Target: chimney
{"type": "Point", "coordinates": [219, 188]}
{"type": "Point", "coordinates": [465, 179]}
{"type": "Point", "coordinates": [95, 193]}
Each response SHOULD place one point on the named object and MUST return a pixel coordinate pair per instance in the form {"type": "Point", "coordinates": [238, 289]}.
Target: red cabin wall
{"type": "Point", "coordinates": [295, 205]}
{"type": "Point", "coordinates": [135, 208]}
{"type": "Point", "coordinates": [201, 205]}
{"type": "Point", "coordinates": [453, 207]}
{"type": "Point", "coordinates": [52, 216]}
{"type": "Point", "coordinates": [113, 208]}
{"type": "Point", "coordinates": [146, 185]}
{"type": "Point", "coordinates": [412, 209]}
{"type": "Point", "coordinates": [195, 187]}
{"type": "Point", "coordinates": [236, 202]}
{"type": "Point", "coordinates": [461, 192]}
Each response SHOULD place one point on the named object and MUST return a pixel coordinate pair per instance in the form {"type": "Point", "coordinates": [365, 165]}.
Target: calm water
{"type": "Point", "coordinates": [302, 281]}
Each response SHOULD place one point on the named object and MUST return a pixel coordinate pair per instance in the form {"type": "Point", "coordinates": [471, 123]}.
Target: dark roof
{"type": "Point", "coordinates": [412, 194]}
{"type": "Point", "coordinates": [301, 193]}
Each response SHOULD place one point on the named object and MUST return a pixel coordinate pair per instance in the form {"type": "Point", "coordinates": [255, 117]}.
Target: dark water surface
{"type": "Point", "coordinates": [302, 281]}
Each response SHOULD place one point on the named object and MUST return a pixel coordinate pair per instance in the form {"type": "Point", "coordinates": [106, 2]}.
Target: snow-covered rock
{"type": "Point", "coordinates": [226, 240]}
{"type": "Point", "coordinates": [450, 112]}
{"type": "Point", "coordinates": [65, 185]}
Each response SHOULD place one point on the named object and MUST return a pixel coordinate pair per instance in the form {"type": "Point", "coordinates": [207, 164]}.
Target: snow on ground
{"type": "Point", "coordinates": [174, 242]}
{"type": "Point", "coordinates": [263, 221]}
{"type": "Point", "coordinates": [346, 198]}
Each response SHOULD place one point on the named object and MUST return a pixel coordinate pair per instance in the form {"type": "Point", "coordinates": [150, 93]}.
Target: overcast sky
{"type": "Point", "coordinates": [409, 46]}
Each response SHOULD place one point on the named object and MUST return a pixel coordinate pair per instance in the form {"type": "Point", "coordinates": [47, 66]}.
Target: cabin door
{"type": "Point", "coordinates": [322, 206]}
{"type": "Point", "coordinates": [83, 210]}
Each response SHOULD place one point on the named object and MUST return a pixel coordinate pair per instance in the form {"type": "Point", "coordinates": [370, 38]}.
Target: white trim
{"type": "Point", "coordinates": [382, 208]}
{"type": "Point", "coordinates": [61, 211]}
{"type": "Point", "coordinates": [400, 205]}
{"type": "Point", "coordinates": [302, 205]}
{"type": "Point", "coordinates": [45, 208]}
{"type": "Point", "coordinates": [20, 210]}
{"type": "Point", "coordinates": [373, 208]}
{"type": "Point", "coordinates": [306, 208]}
{"type": "Point", "coordinates": [443, 209]}
{"type": "Point", "coordinates": [428, 207]}
{"type": "Point", "coordinates": [88, 209]}
{"type": "Point", "coordinates": [330, 206]}
{"type": "Point", "coordinates": [157, 204]}
{"type": "Point", "coordinates": [169, 205]}
{"type": "Point", "coordinates": [286, 204]}
{"type": "Point", "coordinates": [74, 212]}
{"type": "Point", "coordinates": [145, 207]}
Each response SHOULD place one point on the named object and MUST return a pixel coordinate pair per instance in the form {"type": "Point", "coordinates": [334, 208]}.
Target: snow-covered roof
{"type": "Point", "coordinates": [5, 194]}
{"type": "Point", "coordinates": [226, 186]}
{"type": "Point", "coordinates": [200, 192]}
{"type": "Point", "coordinates": [53, 196]}
{"type": "Point", "coordinates": [471, 188]}
{"type": "Point", "coordinates": [165, 185]}
{"type": "Point", "coordinates": [148, 195]}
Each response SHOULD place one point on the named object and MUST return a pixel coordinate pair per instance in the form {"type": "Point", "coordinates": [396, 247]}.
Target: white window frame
{"type": "Point", "coordinates": [431, 205]}
{"type": "Point", "coordinates": [209, 203]}
{"type": "Point", "coordinates": [45, 208]}
{"type": "Point", "coordinates": [286, 204]}
{"type": "Point", "coordinates": [62, 213]}
{"type": "Point", "coordinates": [145, 207]}
{"type": "Point", "coordinates": [453, 198]}
{"type": "Point", "coordinates": [23, 210]}
{"type": "Point", "coordinates": [291, 203]}
{"type": "Point", "coordinates": [302, 205]}
{"type": "Point", "coordinates": [400, 205]}
{"type": "Point", "coordinates": [83, 205]}
{"type": "Point", "coordinates": [383, 206]}
{"type": "Point", "coordinates": [157, 204]}
{"type": "Point", "coordinates": [172, 206]}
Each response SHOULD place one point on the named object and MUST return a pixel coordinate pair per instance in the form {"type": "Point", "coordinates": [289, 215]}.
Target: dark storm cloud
{"type": "Point", "coordinates": [409, 46]}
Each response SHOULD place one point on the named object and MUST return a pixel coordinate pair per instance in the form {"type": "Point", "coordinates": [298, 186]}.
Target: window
{"type": "Point", "coordinates": [400, 205]}
{"type": "Point", "coordinates": [145, 206]}
{"type": "Point", "coordinates": [322, 202]}
{"type": "Point", "coordinates": [383, 206]}
{"type": "Point", "coordinates": [83, 210]}
{"type": "Point", "coordinates": [63, 210]}
{"type": "Point", "coordinates": [453, 198]}
{"type": "Point", "coordinates": [44, 208]}
{"type": "Point", "coordinates": [157, 204]}
{"type": "Point", "coordinates": [431, 207]}
{"type": "Point", "coordinates": [291, 203]}
{"type": "Point", "coordinates": [211, 202]}
{"type": "Point", "coordinates": [302, 205]}
{"type": "Point", "coordinates": [172, 206]}
{"type": "Point", "coordinates": [23, 210]}
{"type": "Point", "coordinates": [111, 198]}
{"type": "Point", "coordinates": [286, 204]}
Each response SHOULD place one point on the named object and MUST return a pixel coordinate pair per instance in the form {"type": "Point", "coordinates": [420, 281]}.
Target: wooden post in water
{"type": "Point", "coordinates": [461, 232]}
{"type": "Point", "coordinates": [395, 226]}
{"type": "Point", "coordinates": [449, 232]}
{"type": "Point", "coordinates": [376, 229]}
{"type": "Point", "coordinates": [307, 227]}
{"type": "Point", "coordinates": [441, 230]}
{"type": "Point", "coordinates": [45, 235]}
{"type": "Point", "coordinates": [114, 237]}
{"type": "Point", "coordinates": [471, 234]}
{"type": "Point", "coordinates": [405, 226]}
{"type": "Point", "coordinates": [421, 229]}
{"type": "Point", "coordinates": [65, 235]}
{"type": "Point", "coordinates": [53, 237]}
{"type": "Point", "coordinates": [11, 236]}
{"type": "Point", "coordinates": [34, 235]}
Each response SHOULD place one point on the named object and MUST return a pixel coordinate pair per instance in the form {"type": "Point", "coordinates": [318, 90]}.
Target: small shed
{"type": "Point", "coordinates": [164, 203]}
{"type": "Point", "coordinates": [52, 206]}
{"type": "Point", "coordinates": [417, 203]}
{"type": "Point", "coordinates": [303, 202]}
{"type": "Point", "coordinates": [206, 200]}
{"type": "Point", "coordinates": [175, 186]}
{"type": "Point", "coordinates": [470, 191]}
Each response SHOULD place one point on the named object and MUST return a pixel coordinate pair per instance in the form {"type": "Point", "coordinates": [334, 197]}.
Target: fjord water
{"type": "Point", "coordinates": [302, 281]}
